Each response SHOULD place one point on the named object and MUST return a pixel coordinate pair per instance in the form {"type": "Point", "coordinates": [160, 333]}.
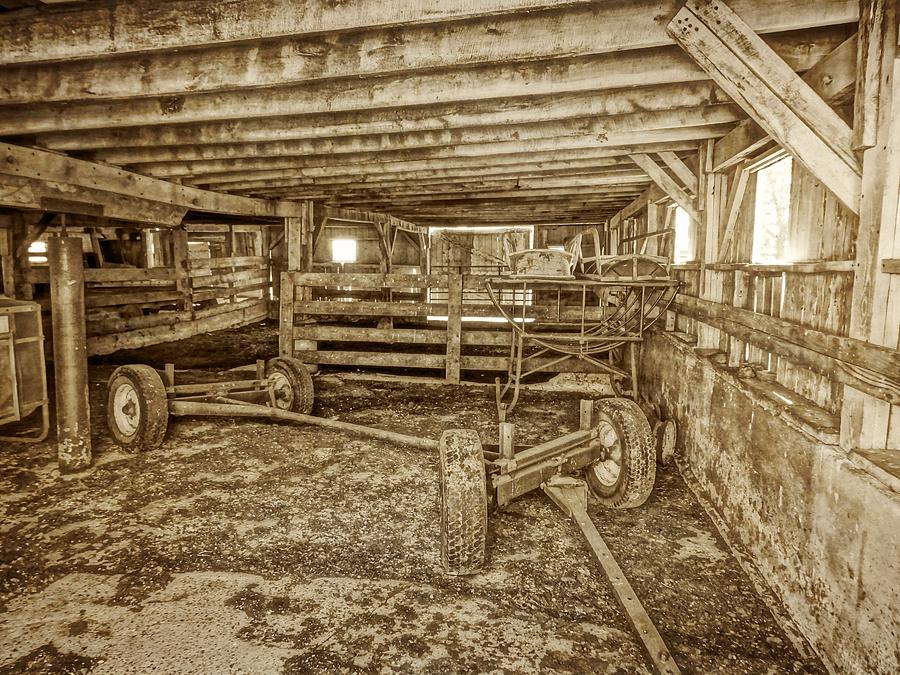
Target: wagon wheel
{"type": "Point", "coordinates": [291, 385]}
{"type": "Point", "coordinates": [624, 475]}
{"type": "Point", "coordinates": [137, 411]}
{"type": "Point", "coordinates": [665, 433]}
{"type": "Point", "coordinates": [463, 502]}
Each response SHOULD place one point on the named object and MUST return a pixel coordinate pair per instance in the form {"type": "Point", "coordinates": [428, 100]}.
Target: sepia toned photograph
{"type": "Point", "coordinates": [449, 337]}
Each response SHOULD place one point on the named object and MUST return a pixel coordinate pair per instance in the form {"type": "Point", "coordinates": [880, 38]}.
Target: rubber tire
{"type": "Point", "coordinates": [153, 407]}
{"type": "Point", "coordinates": [463, 503]}
{"type": "Point", "coordinates": [665, 434]}
{"type": "Point", "coordinates": [300, 381]}
{"type": "Point", "coordinates": [637, 474]}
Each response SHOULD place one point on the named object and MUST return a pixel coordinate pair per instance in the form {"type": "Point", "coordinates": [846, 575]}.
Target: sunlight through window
{"type": "Point", "coordinates": [343, 250]}
{"type": "Point", "coordinates": [773, 207]}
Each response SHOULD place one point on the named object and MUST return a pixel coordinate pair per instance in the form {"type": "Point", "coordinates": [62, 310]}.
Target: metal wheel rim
{"type": "Point", "coordinates": [282, 389]}
{"type": "Point", "coordinates": [126, 409]}
{"type": "Point", "coordinates": [608, 468]}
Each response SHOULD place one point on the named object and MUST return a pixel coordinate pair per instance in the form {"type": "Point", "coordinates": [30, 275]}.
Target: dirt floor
{"type": "Point", "coordinates": [254, 547]}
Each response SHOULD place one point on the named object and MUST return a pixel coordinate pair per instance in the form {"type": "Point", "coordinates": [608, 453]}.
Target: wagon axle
{"type": "Point", "coordinates": [614, 447]}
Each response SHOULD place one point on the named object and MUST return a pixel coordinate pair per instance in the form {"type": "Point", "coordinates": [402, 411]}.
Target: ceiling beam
{"type": "Point", "coordinates": [294, 59]}
{"type": "Point", "coordinates": [138, 26]}
{"type": "Point", "coordinates": [447, 184]}
{"type": "Point", "coordinates": [588, 169]}
{"type": "Point", "coordinates": [201, 168]}
{"type": "Point", "coordinates": [553, 158]}
{"type": "Point", "coordinates": [165, 141]}
{"type": "Point", "coordinates": [46, 167]}
{"type": "Point", "coordinates": [605, 130]}
{"type": "Point", "coordinates": [512, 182]}
{"type": "Point", "coordinates": [46, 195]}
{"type": "Point", "coordinates": [666, 183]}
{"type": "Point", "coordinates": [593, 73]}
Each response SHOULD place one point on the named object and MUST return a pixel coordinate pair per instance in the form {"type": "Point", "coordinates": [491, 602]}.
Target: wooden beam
{"type": "Point", "coordinates": [875, 305]}
{"type": "Point", "coordinates": [733, 209]}
{"type": "Point", "coordinates": [680, 169]}
{"type": "Point", "coordinates": [868, 367]}
{"type": "Point", "coordinates": [591, 73]}
{"type": "Point", "coordinates": [146, 26]}
{"type": "Point", "coordinates": [238, 314]}
{"type": "Point", "coordinates": [875, 21]}
{"type": "Point", "coordinates": [354, 166]}
{"type": "Point", "coordinates": [771, 70]}
{"type": "Point", "coordinates": [295, 58]}
{"type": "Point", "coordinates": [43, 195]}
{"type": "Point", "coordinates": [609, 130]}
{"type": "Point", "coordinates": [454, 178]}
{"type": "Point", "coordinates": [832, 78]}
{"type": "Point", "coordinates": [665, 183]}
{"type": "Point", "coordinates": [771, 93]}
{"type": "Point", "coordinates": [637, 204]}
{"type": "Point", "coordinates": [47, 168]}
{"type": "Point", "coordinates": [433, 117]}
{"type": "Point", "coordinates": [515, 147]}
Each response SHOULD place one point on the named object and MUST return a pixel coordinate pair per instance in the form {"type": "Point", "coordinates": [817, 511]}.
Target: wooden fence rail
{"type": "Point", "coordinates": [411, 321]}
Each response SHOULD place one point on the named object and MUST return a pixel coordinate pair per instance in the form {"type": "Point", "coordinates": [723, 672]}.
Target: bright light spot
{"type": "Point", "coordinates": [682, 253]}
{"type": "Point", "coordinates": [772, 212]}
{"type": "Point", "coordinates": [783, 398]}
{"type": "Point", "coordinates": [38, 247]}
{"type": "Point", "coordinates": [482, 319]}
{"type": "Point", "coordinates": [557, 247]}
{"type": "Point", "coordinates": [343, 250]}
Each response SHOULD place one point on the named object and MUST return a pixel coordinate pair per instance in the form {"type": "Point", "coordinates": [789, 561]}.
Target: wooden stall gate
{"type": "Point", "coordinates": [421, 322]}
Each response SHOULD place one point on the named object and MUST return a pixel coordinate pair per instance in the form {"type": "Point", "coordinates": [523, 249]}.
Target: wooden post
{"type": "Point", "coordinates": [7, 262]}
{"type": "Point", "coordinates": [182, 271]}
{"type": "Point", "coordinates": [286, 316]}
{"type": "Point", "coordinates": [867, 423]}
{"type": "Point", "coordinates": [454, 326]}
{"type": "Point", "coordinates": [740, 293]}
{"type": "Point", "coordinates": [585, 414]}
{"type": "Point", "coordinates": [507, 440]}
{"type": "Point", "coordinates": [73, 414]}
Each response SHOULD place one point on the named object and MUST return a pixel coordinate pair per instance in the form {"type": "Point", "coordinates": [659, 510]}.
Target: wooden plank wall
{"type": "Point", "coordinates": [802, 352]}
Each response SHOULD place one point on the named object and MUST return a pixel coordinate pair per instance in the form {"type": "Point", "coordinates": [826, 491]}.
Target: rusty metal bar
{"type": "Point", "coordinates": [73, 412]}
{"type": "Point", "coordinates": [252, 410]}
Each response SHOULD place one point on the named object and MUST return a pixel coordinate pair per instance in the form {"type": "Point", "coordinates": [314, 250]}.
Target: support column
{"type": "Point", "coordinates": [73, 414]}
{"type": "Point", "coordinates": [7, 262]}
{"type": "Point", "coordinates": [180, 261]}
{"type": "Point", "coordinates": [454, 327]}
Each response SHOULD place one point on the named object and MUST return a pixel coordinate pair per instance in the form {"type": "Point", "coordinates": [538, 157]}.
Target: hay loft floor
{"type": "Point", "coordinates": [244, 546]}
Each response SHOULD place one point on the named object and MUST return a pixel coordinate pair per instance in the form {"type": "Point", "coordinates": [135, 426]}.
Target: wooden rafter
{"type": "Point", "coordinates": [683, 172]}
{"type": "Point", "coordinates": [666, 183]}
{"type": "Point", "coordinates": [832, 78]}
{"type": "Point", "coordinates": [771, 93]}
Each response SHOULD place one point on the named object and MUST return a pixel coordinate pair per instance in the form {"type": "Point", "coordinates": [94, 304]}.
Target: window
{"type": "Point", "coordinates": [343, 250]}
{"type": "Point", "coordinates": [683, 250]}
{"type": "Point", "coordinates": [772, 212]}
{"type": "Point", "coordinates": [37, 252]}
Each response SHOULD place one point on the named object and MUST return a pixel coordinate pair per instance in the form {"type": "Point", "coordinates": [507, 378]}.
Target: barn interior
{"type": "Point", "coordinates": [279, 279]}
